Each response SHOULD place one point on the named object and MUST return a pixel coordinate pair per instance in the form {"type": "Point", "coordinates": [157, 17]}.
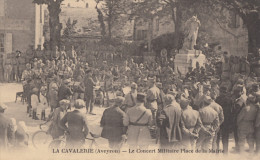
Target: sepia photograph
{"type": "Point", "coordinates": [129, 79]}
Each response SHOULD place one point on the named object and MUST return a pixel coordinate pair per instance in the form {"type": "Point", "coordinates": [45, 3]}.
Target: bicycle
{"type": "Point", "coordinates": [41, 138]}
{"type": "Point", "coordinates": [61, 143]}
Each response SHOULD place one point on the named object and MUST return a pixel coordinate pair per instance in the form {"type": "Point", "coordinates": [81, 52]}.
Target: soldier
{"type": "Point", "coordinates": [14, 62]}
{"type": "Point", "coordinates": [245, 123]}
{"type": "Point", "coordinates": [89, 91]}
{"type": "Point", "coordinates": [225, 102]}
{"type": "Point", "coordinates": [53, 93]}
{"type": "Point", "coordinates": [169, 120]}
{"type": "Point", "coordinates": [152, 96]}
{"type": "Point", "coordinates": [130, 98]}
{"type": "Point", "coordinates": [30, 54]}
{"type": "Point", "coordinates": [113, 128]}
{"type": "Point", "coordinates": [219, 110]}
{"type": "Point", "coordinates": [210, 121]}
{"type": "Point", "coordinates": [238, 104]}
{"type": "Point", "coordinates": [245, 66]}
{"type": "Point", "coordinates": [39, 53]}
{"type": "Point", "coordinates": [192, 124]}
{"type": "Point", "coordinates": [21, 65]}
{"type": "Point", "coordinates": [27, 73]}
{"type": "Point", "coordinates": [47, 53]}
{"type": "Point", "coordinates": [138, 119]}
{"type": "Point", "coordinates": [77, 127]}
{"type": "Point", "coordinates": [8, 68]}
{"type": "Point", "coordinates": [63, 54]}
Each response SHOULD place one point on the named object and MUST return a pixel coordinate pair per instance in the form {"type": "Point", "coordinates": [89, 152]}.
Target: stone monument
{"type": "Point", "coordinates": [188, 56]}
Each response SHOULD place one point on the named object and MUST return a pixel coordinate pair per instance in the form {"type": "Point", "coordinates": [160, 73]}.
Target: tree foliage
{"type": "Point", "coordinates": [70, 28]}
{"type": "Point", "coordinates": [110, 14]}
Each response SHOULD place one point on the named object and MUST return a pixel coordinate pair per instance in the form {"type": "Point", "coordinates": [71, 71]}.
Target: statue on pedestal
{"type": "Point", "coordinates": [191, 29]}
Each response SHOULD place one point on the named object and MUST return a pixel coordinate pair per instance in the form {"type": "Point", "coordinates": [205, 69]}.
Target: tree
{"type": "Point", "coordinates": [111, 12]}
{"type": "Point", "coordinates": [179, 10]}
{"type": "Point", "coordinates": [248, 10]}
{"type": "Point", "coordinates": [70, 29]}
{"type": "Point", "coordinates": [54, 8]}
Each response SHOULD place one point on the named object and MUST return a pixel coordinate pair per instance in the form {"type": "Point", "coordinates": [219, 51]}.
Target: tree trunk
{"type": "Point", "coordinates": [101, 21]}
{"type": "Point", "coordinates": [55, 26]}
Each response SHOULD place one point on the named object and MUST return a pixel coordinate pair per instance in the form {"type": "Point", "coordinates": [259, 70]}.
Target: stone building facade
{"type": "Point", "coordinates": [21, 25]}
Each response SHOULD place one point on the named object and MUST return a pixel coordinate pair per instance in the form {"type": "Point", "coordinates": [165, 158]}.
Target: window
{"type": "Point", "coordinates": [234, 20]}
{"type": "Point", "coordinates": [2, 42]}
{"type": "Point", "coordinates": [141, 34]}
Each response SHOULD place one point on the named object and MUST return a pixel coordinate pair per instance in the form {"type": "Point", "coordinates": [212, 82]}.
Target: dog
{"type": "Point", "coordinates": [20, 94]}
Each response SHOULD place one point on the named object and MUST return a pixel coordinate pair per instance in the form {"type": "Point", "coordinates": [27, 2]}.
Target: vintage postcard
{"type": "Point", "coordinates": [129, 79]}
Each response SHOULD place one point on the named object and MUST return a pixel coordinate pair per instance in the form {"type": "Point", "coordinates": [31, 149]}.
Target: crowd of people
{"type": "Point", "coordinates": [189, 111]}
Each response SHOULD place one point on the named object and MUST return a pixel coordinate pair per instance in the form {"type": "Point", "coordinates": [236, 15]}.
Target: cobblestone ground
{"type": "Point", "coordinates": [18, 111]}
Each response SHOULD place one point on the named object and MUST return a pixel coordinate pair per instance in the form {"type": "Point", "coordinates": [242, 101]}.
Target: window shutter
{"type": "Point", "coordinates": [8, 43]}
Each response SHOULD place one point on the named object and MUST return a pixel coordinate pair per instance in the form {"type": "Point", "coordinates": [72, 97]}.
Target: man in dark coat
{"type": "Point", "coordinates": [238, 104]}
{"type": "Point", "coordinates": [225, 102]}
{"type": "Point", "coordinates": [6, 129]}
{"type": "Point", "coordinates": [112, 123]}
{"type": "Point", "coordinates": [89, 91]}
{"type": "Point", "coordinates": [64, 91]}
{"type": "Point", "coordinates": [169, 121]}
{"type": "Point", "coordinates": [77, 127]}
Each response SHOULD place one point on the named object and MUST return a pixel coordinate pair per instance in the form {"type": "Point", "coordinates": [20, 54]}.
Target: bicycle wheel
{"type": "Point", "coordinates": [56, 144]}
{"type": "Point", "coordinates": [41, 139]}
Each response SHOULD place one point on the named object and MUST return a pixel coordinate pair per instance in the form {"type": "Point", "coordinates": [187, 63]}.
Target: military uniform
{"type": "Point", "coordinates": [245, 123]}
{"type": "Point", "coordinates": [245, 67]}
{"type": "Point", "coordinates": [130, 99]}
{"type": "Point", "coordinates": [192, 124]}
{"type": "Point", "coordinates": [238, 104]}
{"type": "Point", "coordinates": [226, 103]}
{"type": "Point", "coordinates": [210, 121]}
{"type": "Point", "coordinates": [219, 110]}
{"type": "Point", "coordinates": [14, 62]}
{"type": "Point", "coordinates": [138, 131]}
{"type": "Point", "coordinates": [152, 97]}
{"type": "Point", "coordinates": [8, 68]}
{"type": "Point", "coordinates": [21, 65]}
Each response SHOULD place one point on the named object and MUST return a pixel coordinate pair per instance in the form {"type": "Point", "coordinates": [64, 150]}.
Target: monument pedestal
{"type": "Point", "coordinates": [188, 58]}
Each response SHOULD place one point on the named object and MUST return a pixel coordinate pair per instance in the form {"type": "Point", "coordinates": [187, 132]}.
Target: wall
{"type": "Point", "coordinates": [19, 23]}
